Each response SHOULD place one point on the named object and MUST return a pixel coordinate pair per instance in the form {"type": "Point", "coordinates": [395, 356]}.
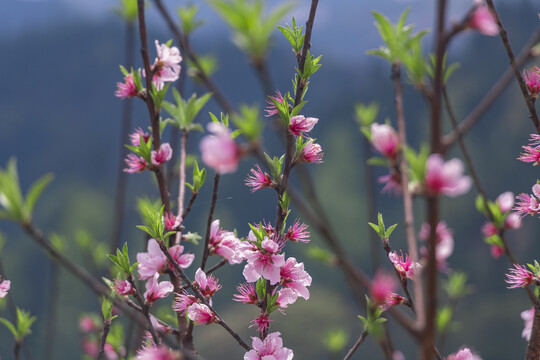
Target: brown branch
{"type": "Point", "coordinates": [492, 95]}
{"type": "Point", "coordinates": [103, 341]}
{"type": "Point", "coordinates": [206, 250]}
{"type": "Point", "coordinates": [190, 204]}
{"type": "Point", "coordinates": [144, 307]}
{"type": "Point", "coordinates": [533, 347]}
{"type": "Point", "coordinates": [356, 345]}
{"type": "Point", "coordinates": [407, 196]}
{"type": "Point", "coordinates": [504, 37]}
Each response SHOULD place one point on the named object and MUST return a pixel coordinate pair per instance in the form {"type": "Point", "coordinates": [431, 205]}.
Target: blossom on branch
{"type": "Point", "coordinates": [311, 153]}
{"type": "Point", "coordinates": [162, 155]}
{"type": "Point", "coordinates": [382, 287]}
{"type": "Point", "coordinates": [445, 177]}
{"type": "Point", "coordinates": [136, 136]}
{"type": "Point", "coordinates": [225, 244]}
{"type": "Point", "coordinates": [154, 352]}
{"type": "Point", "coordinates": [258, 180]}
{"type": "Point", "coordinates": [127, 89]}
{"type": "Point", "coordinates": [532, 151]}
{"type": "Point", "coordinates": [464, 354]}
{"type": "Point", "coordinates": [135, 164]}
{"type": "Point", "coordinates": [483, 20]}
{"type": "Point", "coordinates": [294, 276]}
{"type": "Point", "coordinates": [271, 109]}
{"type": "Point", "coordinates": [220, 151]}
{"type": "Point", "coordinates": [297, 232]}
{"type": "Point", "coordinates": [166, 66]}
{"type": "Point", "coordinates": [298, 125]}
{"type": "Point", "coordinates": [445, 243]}
{"type": "Point", "coordinates": [246, 294]}
{"type": "Point", "coordinates": [532, 80]}
{"type": "Point", "coordinates": [404, 266]}
{"type": "Point", "coordinates": [385, 140]}
{"type": "Point", "coordinates": [271, 348]}
{"type": "Point", "coordinates": [200, 314]}
{"type": "Point", "coordinates": [262, 322]}
{"type": "Point", "coordinates": [527, 316]}
{"type": "Point", "coordinates": [519, 276]}
{"type": "Point", "coordinates": [208, 285]}
{"type": "Point", "coordinates": [172, 222]}
{"type": "Point", "coordinates": [528, 204]}
{"type": "Point", "coordinates": [156, 290]}
{"type": "Point", "coordinates": [4, 287]}
{"type": "Point", "coordinates": [154, 260]}
{"type": "Point", "coordinates": [264, 262]}
{"type": "Point", "coordinates": [123, 287]}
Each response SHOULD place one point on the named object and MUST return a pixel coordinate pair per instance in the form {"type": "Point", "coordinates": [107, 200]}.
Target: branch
{"type": "Point", "coordinates": [356, 345]}
{"type": "Point", "coordinates": [106, 328]}
{"type": "Point", "coordinates": [533, 347]}
{"type": "Point", "coordinates": [492, 95]}
{"type": "Point", "coordinates": [209, 222]}
{"type": "Point", "coordinates": [504, 37]}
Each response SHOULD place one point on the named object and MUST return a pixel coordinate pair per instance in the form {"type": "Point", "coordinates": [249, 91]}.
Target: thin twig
{"type": "Point", "coordinates": [103, 341]}
{"type": "Point", "coordinates": [493, 93]}
{"type": "Point", "coordinates": [190, 204]}
{"type": "Point", "coordinates": [206, 250]}
{"type": "Point", "coordinates": [144, 306]}
{"type": "Point", "coordinates": [407, 196]}
{"type": "Point", "coordinates": [504, 37]}
{"type": "Point", "coordinates": [356, 345]}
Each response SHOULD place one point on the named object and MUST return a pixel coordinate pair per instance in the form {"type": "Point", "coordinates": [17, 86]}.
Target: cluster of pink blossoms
{"type": "Point", "coordinates": [505, 202]}
{"type": "Point", "coordinates": [531, 152]}
{"type": "Point", "coordinates": [4, 287]}
{"type": "Point", "coordinates": [91, 337]}
{"type": "Point", "coordinates": [197, 311]}
{"type": "Point", "coordinates": [219, 150]}
{"type": "Point", "coordinates": [225, 244]}
{"type": "Point", "coordinates": [158, 157]}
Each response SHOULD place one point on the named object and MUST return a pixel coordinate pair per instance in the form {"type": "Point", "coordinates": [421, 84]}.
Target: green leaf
{"type": "Point", "coordinates": [390, 230]}
{"type": "Point", "coordinates": [36, 189]}
{"type": "Point", "coordinates": [378, 161]}
{"type": "Point", "coordinates": [106, 308]}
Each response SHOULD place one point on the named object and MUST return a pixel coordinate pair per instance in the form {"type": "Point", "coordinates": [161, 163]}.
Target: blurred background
{"type": "Point", "coordinates": [59, 114]}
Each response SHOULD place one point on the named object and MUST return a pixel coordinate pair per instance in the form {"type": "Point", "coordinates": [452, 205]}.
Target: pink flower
{"type": "Point", "coordinates": [4, 287]}
{"type": "Point", "coordinates": [87, 324]}
{"type": "Point", "coordinates": [152, 261]}
{"type": "Point", "coordinates": [182, 302]}
{"type": "Point", "coordinates": [271, 108]}
{"type": "Point", "coordinates": [505, 201]}
{"type": "Point", "coordinates": [385, 140]}
{"type": "Point", "coordinates": [489, 229]}
{"type": "Point", "coordinates": [311, 153]}
{"type": "Point", "coordinates": [298, 125]}
{"type": "Point", "coordinates": [393, 300]}
{"type": "Point", "coordinates": [183, 260]}
{"type": "Point", "coordinates": [225, 244]}
{"type": "Point", "coordinates": [286, 297]}
{"type": "Point", "coordinates": [483, 20]}
{"type": "Point", "coordinates": [157, 352]}
{"type": "Point", "coordinates": [445, 243]}
{"type": "Point", "coordinates": [464, 354]}
{"type": "Point", "coordinates": [298, 232]}
{"type": "Point", "coordinates": [157, 290]}
{"type": "Point", "coordinates": [496, 251]}
{"type": "Point", "coordinates": [135, 164]}
{"type": "Point", "coordinates": [519, 276]}
{"type": "Point", "coordinates": [208, 285]}
{"type": "Point", "coordinates": [127, 88]}
{"type": "Point", "coordinates": [532, 152]}
{"type": "Point", "coordinates": [528, 317]}
{"type": "Point", "coordinates": [446, 177]}
{"type": "Point", "coordinates": [220, 151]}
{"type": "Point", "coordinates": [382, 287]}
{"type": "Point", "coordinates": [172, 222]}
{"type": "Point", "coordinates": [294, 276]}
{"type": "Point", "coordinates": [162, 155]}
{"type": "Point", "coordinates": [90, 348]}
{"type": "Point", "coordinates": [265, 262]}
{"type": "Point", "coordinates": [262, 322]}
{"type": "Point", "coordinates": [271, 348]}
{"type": "Point", "coordinates": [166, 66]}
{"type": "Point", "coordinates": [135, 137]}
{"type": "Point", "coordinates": [200, 314]}
{"type": "Point", "coordinates": [532, 80]}
{"type": "Point", "coordinates": [247, 294]}
{"type": "Point", "coordinates": [392, 183]}
{"type": "Point", "coordinates": [398, 355]}
{"type": "Point", "coordinates": [513, 221]}
{"type": "Point", "coordinates": [123, 287]}
{"type": "Point", "coordinates": [528, 204]}
{"type": "Point", "coordinates": [405, 267]}
{"type": "Point", "coordinates": [258, 180]}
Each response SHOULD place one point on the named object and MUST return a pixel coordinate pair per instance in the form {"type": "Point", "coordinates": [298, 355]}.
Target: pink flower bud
{"type": "Point", "coordinates": [162, 155]}
{"type": "Point", "coordinates": [446, 177]}
{"type": "Point", "coordinates": [483, 20]}
{"type": "Point", "coordinates": [532, 80]}
{"type": "Point", "coordinates": [127, 88]}
{"type": "Point", "coordinates": [505, 201]}
{"type": "Point", "coordinates": [385, 140]}
{"type": "Point", "coordinates": [220, 151]}
{"type": "Point", "coordinates": [300, 124]}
